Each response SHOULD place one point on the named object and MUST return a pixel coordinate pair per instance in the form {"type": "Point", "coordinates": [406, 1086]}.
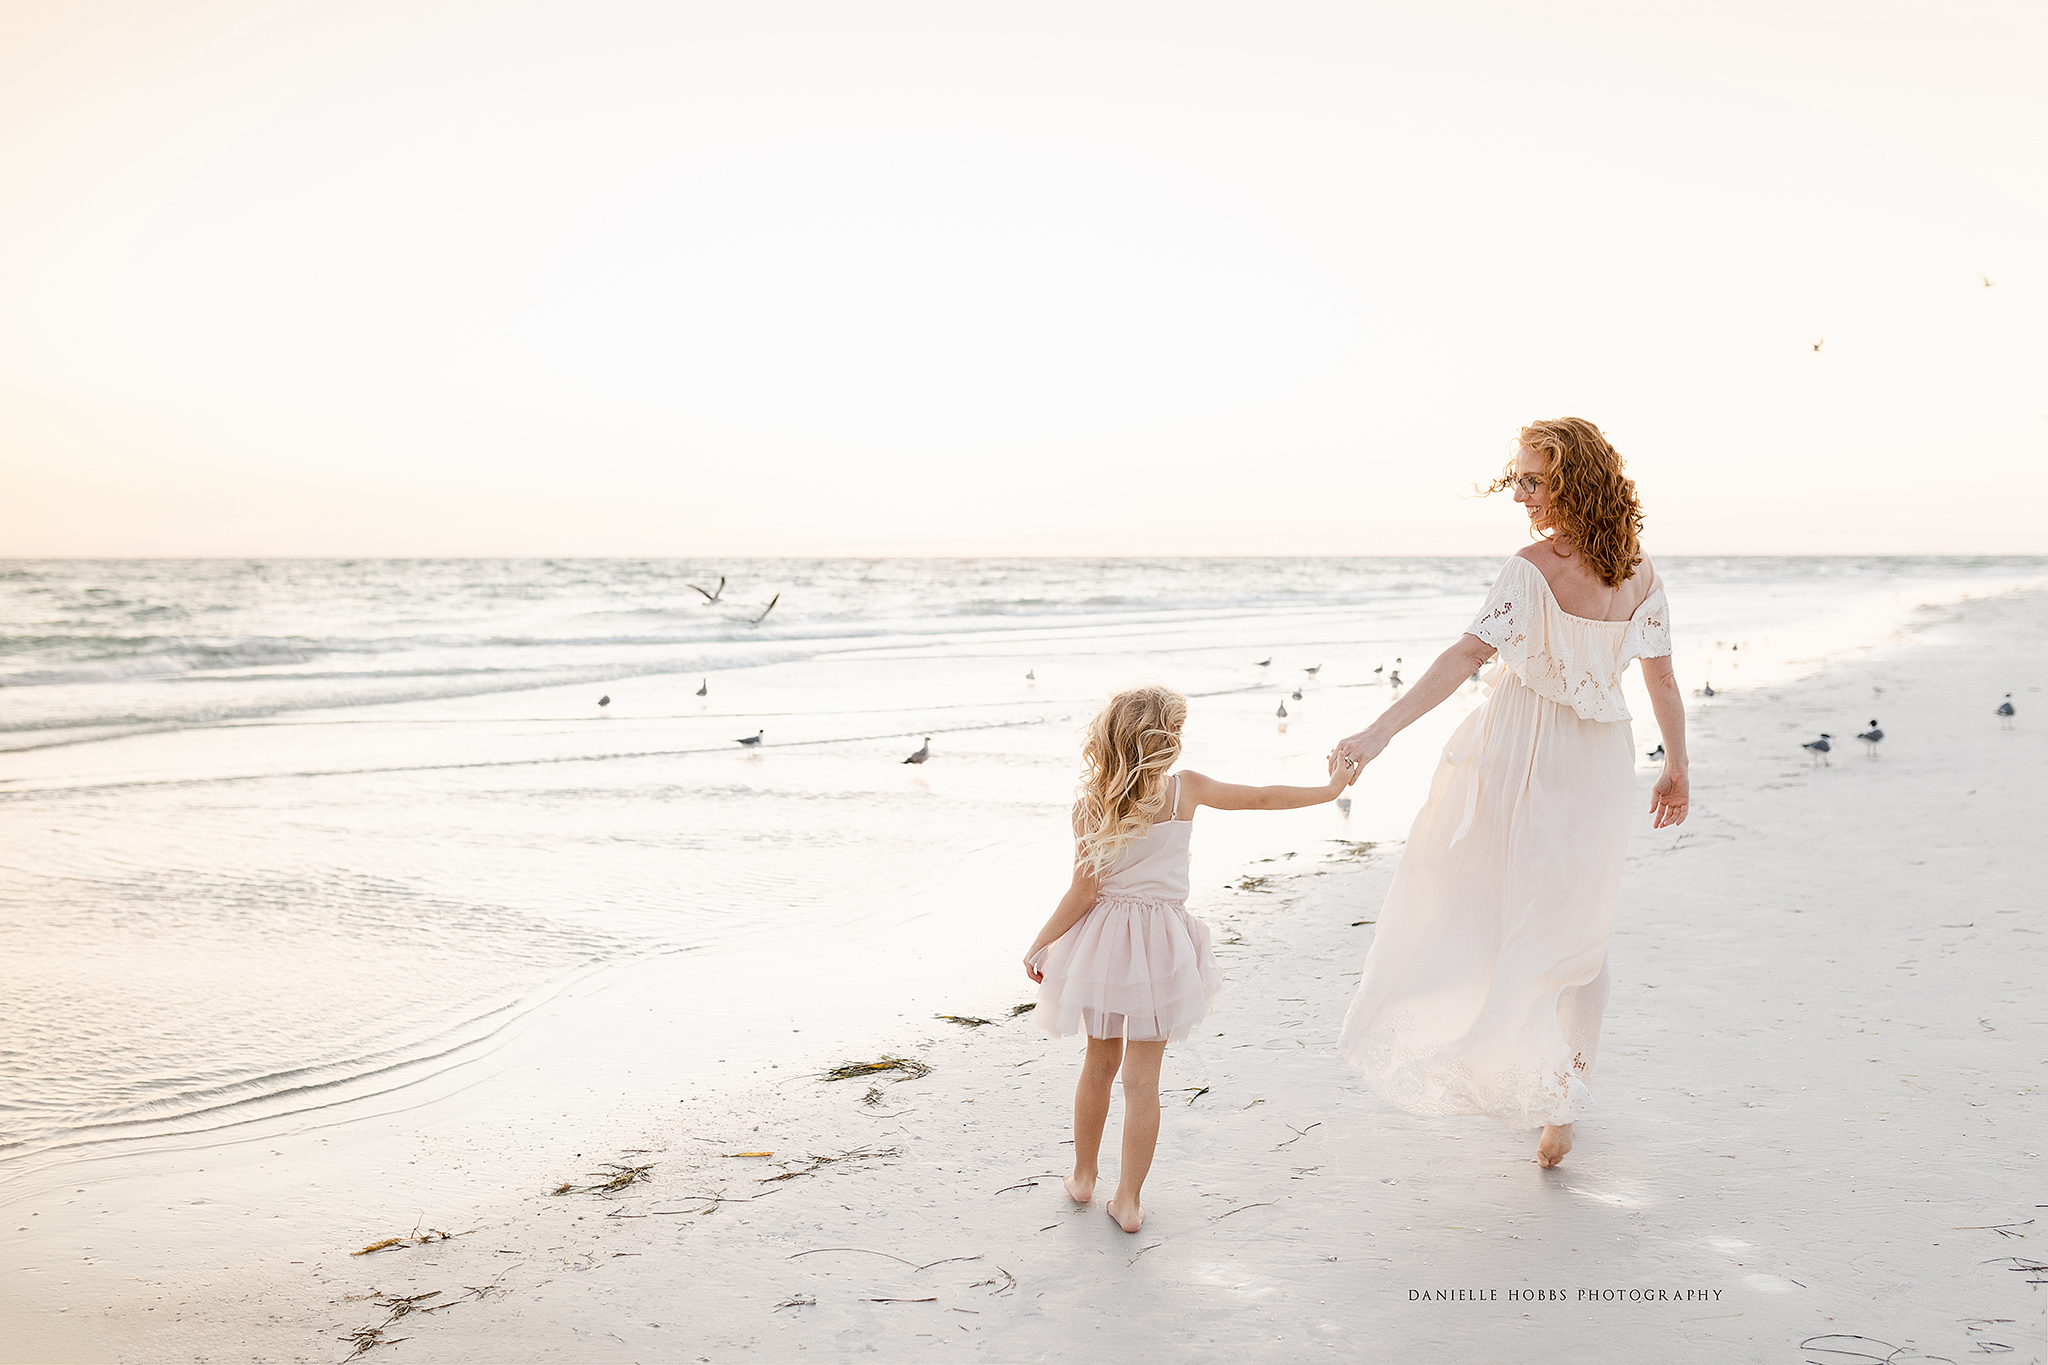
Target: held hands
{"type": "Point", "coordinates": [1343, 772]}
{"type": "Point", "coordinates": [1361, 748]}
{"type": "Point", "coordinates": [1669, 798]}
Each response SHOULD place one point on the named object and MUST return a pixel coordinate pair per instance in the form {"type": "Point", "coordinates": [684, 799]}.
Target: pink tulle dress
{"type": "Point", "coordinates": [1137, 966]}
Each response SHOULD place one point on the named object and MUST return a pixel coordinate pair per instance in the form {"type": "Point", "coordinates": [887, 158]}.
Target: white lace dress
{"type": "Point", "coordinates": [1487, 978]}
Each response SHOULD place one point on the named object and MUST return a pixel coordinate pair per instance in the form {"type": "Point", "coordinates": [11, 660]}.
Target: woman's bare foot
{"type": "Point", "coordinates": [1128, 1215]}
{"type": "Point", "coordinates": [1080, 1188]}
{"type": "Point", "coordinates": [1556, 1141]}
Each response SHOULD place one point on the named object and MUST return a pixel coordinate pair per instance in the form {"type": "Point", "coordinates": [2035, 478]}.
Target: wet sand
{"type": "Point", "coordinates": [1823, 1109]}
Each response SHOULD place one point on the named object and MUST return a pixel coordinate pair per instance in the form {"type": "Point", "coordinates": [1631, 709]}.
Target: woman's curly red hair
{"type": "Point", "coordinates": [1592, 505]}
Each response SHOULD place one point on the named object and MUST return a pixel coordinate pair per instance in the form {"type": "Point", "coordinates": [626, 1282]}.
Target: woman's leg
{"type": "Point", "coordinates": [1141, 1130]}
{"type": "Point", "coordinates": [1091, 1111]}
{"type": "Point", "coordinates": [1580, 1010]}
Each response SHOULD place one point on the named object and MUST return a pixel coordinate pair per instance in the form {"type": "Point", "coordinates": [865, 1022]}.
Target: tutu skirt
{"type": "Point", "coordinates": [1131, 968]}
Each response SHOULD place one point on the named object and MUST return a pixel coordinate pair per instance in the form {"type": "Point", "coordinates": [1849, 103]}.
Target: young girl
{"type": "Point", "coordinates": [1121, 959]}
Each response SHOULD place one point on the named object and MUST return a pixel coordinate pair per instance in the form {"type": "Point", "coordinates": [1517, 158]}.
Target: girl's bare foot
{"type": "Point", "coordinates": [1556, 1141]}
{"type": "Point", "coordinates": [1128, 1215]}
{"type": "Point", "coordinates": [1080, 1188]}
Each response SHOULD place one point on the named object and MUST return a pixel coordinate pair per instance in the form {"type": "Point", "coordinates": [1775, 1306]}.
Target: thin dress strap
{"type": "Point", "coordinates": [1174, 809]}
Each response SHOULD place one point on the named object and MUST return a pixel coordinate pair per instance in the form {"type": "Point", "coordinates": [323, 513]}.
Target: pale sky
{"type": "Point", "coordinates": [427, 277]}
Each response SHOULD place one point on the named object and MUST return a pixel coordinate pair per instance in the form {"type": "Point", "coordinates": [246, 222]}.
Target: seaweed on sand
{"type": "Point", "coordinates": [410, 1239]}
{"type": "Point", "coordinates": [911, 1068]}
{"type": "Point", "coordinates": [818, 1163]}
{"type": "Point", "coordinates": [964, 1020]}
{"type": "Point", "coordinates": [404, 1305]}
{"type": "Point", "coordinates": [619, 1178]}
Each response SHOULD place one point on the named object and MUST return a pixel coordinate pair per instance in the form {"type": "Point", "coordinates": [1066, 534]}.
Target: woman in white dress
{"type": "Point", "coordinates": [1487, 978]}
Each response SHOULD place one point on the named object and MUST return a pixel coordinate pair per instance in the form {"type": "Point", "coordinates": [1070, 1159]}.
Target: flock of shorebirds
{"type": "Point", "coordinates": [713, 596]}
{"type": "Point", "coordinates": [1822, 747]}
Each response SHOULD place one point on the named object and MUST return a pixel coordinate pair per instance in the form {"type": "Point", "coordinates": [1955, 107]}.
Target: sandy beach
{"type": "Point", "coordinates": [1821, 1124]}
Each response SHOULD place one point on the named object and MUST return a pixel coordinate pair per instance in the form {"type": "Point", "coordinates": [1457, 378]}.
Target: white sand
{"type": "Point", "coordinates": [1824, 1078]}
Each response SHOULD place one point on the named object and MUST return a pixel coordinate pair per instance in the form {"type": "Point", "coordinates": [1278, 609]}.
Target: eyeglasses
{"type": "Point", "coordinates": [1526, 483]}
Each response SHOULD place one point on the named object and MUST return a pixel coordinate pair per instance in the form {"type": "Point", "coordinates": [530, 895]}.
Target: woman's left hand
{"type": "Point", "coordinates": [1670, 798]}
{"type": "Point", "coordinates": [1361, 748]}
{"type": "Point", "coordinates": [1031, 971]}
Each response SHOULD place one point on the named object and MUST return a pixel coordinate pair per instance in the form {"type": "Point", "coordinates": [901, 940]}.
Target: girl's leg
{"type": "Point", "coordinates": [1091, 1111]}
{"type": "Point", "coordinates": [1141, 1130]}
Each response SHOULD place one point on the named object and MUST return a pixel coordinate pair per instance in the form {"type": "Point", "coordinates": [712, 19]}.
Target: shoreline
{"type": "Point", "coordinates": [963, 1249]}
{"type": "Point", "coordinates": [1283, 1137]}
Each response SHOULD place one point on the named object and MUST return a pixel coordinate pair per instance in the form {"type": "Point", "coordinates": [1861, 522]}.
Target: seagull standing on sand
{"type": "Point", "coordinates": [1871, 737]}
{"type": "Point", "coordinates": [1265, 661]}
{"type": "Point", "coordinates": [1297, 694]}
{"type": "Point", "coordinates": [751, 741]}
{"type": "Point", "coordinates": [710, 597]}
{"type": "Point", "coordinates": [1657, 752]}
{"type": "Point", "coordinates": [604, 701]}
{"type": "Point", "coordinates": [2005, 711]}
{"type": "Point", "coordinates": [922, 754]}
{"type": "Point", "coordinates": [1707, 691]}
{"type": "Point", "coordinates": [1819, 748]}
{"type": "Point", "coordinates": [1282, 712]}
{"type": "Point", "coordinates": [1030, 675]}
{"type": "Point", "coordinates": [704, 688]}
{"type": "Point", "coordinates": [1394, 678]}
{"type": "Point", "coordinates": [1313, 671]}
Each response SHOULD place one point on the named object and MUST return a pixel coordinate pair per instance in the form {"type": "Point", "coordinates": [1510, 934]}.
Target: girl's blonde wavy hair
{"type": "Point", "coordinates": [1592, 505]}
{"type": "Point", "coordinates": [1125, 753]}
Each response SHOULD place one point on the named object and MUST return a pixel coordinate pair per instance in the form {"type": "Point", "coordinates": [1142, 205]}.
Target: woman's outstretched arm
{"type": "Point", "coordinates": [1670, 798]}
{"type": "Point", "coordinates": [1452, 667]}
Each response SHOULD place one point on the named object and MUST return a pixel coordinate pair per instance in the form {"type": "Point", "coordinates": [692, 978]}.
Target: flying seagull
{"type": "Point", "coordinates": [1872, 735]}
{"type": "Point", "coordinates": [753, 740]}
{"type": "Point", "coordinates": [1988, 281]}
{"type": "Point", "coordinates": [1657, 752]}
{"type": "Point", "coordinates": [765, 610]}
{"type": "Point", "coordinates": [704, 688]}
{"type": "Point", "coordinates": [710, 597]}
{"type": "Point", "coordinates": [605, 700]}
{"type": "Point", "coordinates": [922, 754]}
{"type": "Point", "coordinates": [1818, 344]}
{"type": "Point", "coordinates": [1819, 748]}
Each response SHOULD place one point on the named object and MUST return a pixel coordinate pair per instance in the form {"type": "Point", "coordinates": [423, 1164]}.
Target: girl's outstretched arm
{"type": "Point", "coordinates": [1451, 668]}
{"type": "Point", "coordinates": [1078, 901]}
{"type": "Point", "coordinates": [1197, 790]}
